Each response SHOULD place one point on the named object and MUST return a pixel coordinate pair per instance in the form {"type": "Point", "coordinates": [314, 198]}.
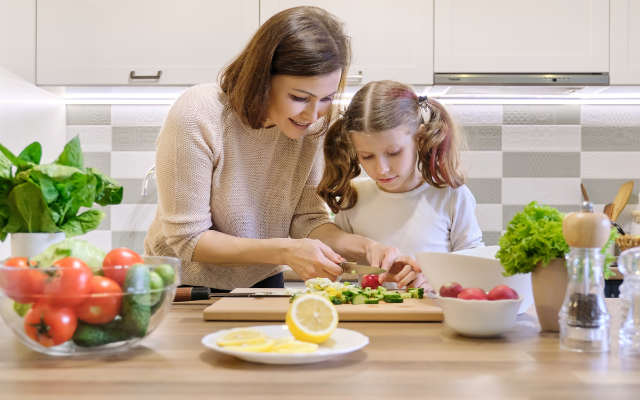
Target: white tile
{"type": "Point", "coordinates": [610, 165]}
{"type": "Point", "coordinates": [548, 138]}
{"type": "Point", "coordinates": [132, 217]}
{"type": "Point", "coordinates": [93, 138]}
{"type": "Point", "coordinates": [138, 114]}
{"type": "Point", "coordinates": [5, 248]}
{"type": "Point", "coordinates": [610, 115]}
{"type": "Point", "coordinates": [556, 191]}
{"type": "Point", "coordinates": [482, 164]}
{"type": "Point", "coordinates": [476, 114]}
{"type": "Point", "coordinates": [101, 239]}
{"type": "Point", "coordinates": [489, 216]}
{"type": "Point", "coordinates": [131, 164]}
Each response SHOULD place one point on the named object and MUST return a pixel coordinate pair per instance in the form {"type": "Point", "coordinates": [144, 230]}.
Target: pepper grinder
{"type": "Point", "coordinates": [584, 318]}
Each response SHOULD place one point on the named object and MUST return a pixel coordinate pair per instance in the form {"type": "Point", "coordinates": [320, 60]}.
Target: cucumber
{"type": "Point", "coordinates": [157, 285]}
{"type": "Point", "coordinates": [136, 301]}
{"type": "Point", "coordinates": [405, 295]}
{"type": "Point", "coordinates": [336, 302]}
{"type": "Point", "coordinates": [359, 299]}
{"type": "Point", "coordinates": [393, 300]}
{"type": "Point", "coordinates": [382, 289]}
{"type": "Point", "coordinates": [371, 301]}
{"type": "Point", "coordinates": [87, 335]}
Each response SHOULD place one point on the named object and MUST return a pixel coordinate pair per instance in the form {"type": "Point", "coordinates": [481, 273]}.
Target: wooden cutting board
{"type": "Point", "coordinates": [275, 309]}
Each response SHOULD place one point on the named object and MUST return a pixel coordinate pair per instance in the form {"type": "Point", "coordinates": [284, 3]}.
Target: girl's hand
{"type": "Point", "coordinates": [390, 259]}
{"type": "Point", "coordinates": [311, 258]}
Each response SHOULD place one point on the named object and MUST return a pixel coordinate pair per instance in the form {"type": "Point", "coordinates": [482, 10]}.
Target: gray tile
{"type": "Point", "coordinates": [486, 191]}
{"type": "Point", "coordinates": [603, 191]}
{"type": "Point", "coordinates": [132, 191]}
{"type": "Point", "coordinates": [98, 115]}
{"type": "Point", "coordinates": [610, 138]}
{"type": "Point", "coordinates": [105, 224]}
{"type": "Point", "coordinates": [541, 114]}
{"type": "Point", "coordinates": [540, 165]}
{"type": "Point", "coordinates": [130, 240]}
{"type": "Point", "coordinates": [76, 114]}
{"type": "Point", "coordinates": [484, 138]}
{"type": "Point", "coordinates": [490, 238]}
{"type": "Point", "coordinates": [134, 138]}
{"type": "Point", "coordinates": [101, 161]}
{"type": "Point", "coordinates": [508, 211]}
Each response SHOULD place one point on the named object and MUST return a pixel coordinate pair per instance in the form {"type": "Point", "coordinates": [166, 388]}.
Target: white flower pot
{"type": "Point", "coordinates": [31, 244]}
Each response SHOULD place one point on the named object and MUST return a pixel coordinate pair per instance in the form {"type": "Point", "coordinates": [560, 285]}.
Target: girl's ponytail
{"type": "Point", "coordinates": [439, 145]}
{"type": "Point", "coordinates": [340, 168]}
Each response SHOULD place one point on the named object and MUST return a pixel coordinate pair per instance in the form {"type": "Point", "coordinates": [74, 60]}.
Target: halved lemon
{"type": "Point", "coordinates": [297, 347]}
{"type": "Point", "coordinates": [241, 336]}
{"type": "Point", "coordinates": [312, 318]}
{"type": "Point", "coordinates": [264, 345]}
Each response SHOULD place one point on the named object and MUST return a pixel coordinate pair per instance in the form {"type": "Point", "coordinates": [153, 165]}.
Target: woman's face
{"type": "Point", "coordinates": [390, 158]}
{"type": "Point", "coordinates": [296, 102]}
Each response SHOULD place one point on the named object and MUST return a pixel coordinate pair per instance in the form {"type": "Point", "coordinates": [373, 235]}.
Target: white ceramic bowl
{"type": "Point", "coordinates": [473, 268]}
{"type": "Point", "coordinates": [480, 318]}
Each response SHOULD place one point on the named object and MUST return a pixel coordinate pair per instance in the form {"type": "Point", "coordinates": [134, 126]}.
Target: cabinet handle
{"type": "Point", "coordinates": [132, 75]}
{"type": "Point", "coordinates": [355, 77]}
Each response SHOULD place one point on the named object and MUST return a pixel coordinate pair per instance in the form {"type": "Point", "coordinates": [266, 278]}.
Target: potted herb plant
{"type": "Point", "coordinates": [40, 204]}
{"type": "Point", "coordinates": [534, 243]}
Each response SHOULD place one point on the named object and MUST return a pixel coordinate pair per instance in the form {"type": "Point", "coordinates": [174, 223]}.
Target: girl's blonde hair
{"type": "Point", "coordinates": [381, 106]}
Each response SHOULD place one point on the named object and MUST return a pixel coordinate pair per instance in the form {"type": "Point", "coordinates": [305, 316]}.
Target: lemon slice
{"type": "Point", "coordinates": [283, 342]}
{"type": "Point", "coordinates": [312, 318]}
{"type": "Point", "coordinates": [297, 347]}
{"type": "Point", "coordinates": [264, 345]}
{"type": "Point", "coordinates": [241, 336]}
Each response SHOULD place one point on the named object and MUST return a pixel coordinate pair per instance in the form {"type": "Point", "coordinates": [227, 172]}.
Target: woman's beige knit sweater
{"type": "Point", "coordinates": [214, 172]}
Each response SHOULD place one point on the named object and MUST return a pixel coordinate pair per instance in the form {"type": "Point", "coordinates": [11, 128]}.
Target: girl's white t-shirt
{"type": "Point", "coordinates": [424, 219]}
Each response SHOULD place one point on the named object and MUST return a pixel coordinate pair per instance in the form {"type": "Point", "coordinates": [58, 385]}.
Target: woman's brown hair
{"type": "Point", "coordinates": [300, 41]}
{"type": "Point", "coordinates": [381, 106]}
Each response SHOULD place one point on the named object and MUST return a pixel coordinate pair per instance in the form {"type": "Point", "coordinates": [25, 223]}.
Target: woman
{"type": "Point", "coordinates": [238, 165]}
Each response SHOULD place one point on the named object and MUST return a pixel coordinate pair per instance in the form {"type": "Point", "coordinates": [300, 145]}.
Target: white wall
{"type": "Point", "coordinates": [18, 38]}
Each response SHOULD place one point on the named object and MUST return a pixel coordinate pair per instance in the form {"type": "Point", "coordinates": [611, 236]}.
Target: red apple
{"type": "Point", "coordinates": [451, 289]}
{"type": "Point", "coordinates": [502, 292]}
{"type": "Point", "coordinates": [472, 294]}
{"type": "Point", "coordinates": [370, 281]}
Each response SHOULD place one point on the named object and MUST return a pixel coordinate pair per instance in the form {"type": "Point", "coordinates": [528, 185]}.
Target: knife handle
{"type": "Point", "coordinates": [192, 293]}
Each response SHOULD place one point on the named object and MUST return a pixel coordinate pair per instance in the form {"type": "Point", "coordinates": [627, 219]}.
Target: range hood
{"type": "Point", "coordinates": [595, 79]}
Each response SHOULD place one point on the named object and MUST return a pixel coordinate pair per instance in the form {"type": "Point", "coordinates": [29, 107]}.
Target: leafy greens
{"type": "Point", "coordinates": [48, 198]}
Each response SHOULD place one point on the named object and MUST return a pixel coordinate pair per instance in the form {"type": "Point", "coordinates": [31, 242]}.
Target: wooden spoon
{"type": "Point", "coordinates": [584, 192]}
{"type": "Point", "coordinates": [621, 200]}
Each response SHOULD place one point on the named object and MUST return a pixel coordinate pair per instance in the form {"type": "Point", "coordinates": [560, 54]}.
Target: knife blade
{"type": "Point", "coordinates": [204, 293]}
{"type": "Point", "coordinates": [350, 268]}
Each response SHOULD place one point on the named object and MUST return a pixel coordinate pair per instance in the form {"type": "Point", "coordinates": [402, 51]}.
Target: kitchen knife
{"type": "Point", "coordinates": [204, 293]}
{"type": "Point", "coordinates": [351, 268]}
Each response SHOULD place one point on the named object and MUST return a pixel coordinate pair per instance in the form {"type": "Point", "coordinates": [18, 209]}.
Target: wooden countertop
{"type": "Point", "coordinates": [403, 359]}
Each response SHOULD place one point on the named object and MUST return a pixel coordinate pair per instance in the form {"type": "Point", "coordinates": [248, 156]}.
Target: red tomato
{"type": "Point", "coordinates": [104, 303]}
{"type": "Point", "coordinates": [473, 294]}
{"type": "Point", "coordinates": [117, 262]}
{"type": "Point", "coordinates": [70, 285]}
{"type": "Point", "coordinates": [50, 326]}
{"type": "Point", "coordinates": [22, 283]}
{"type": "Point", "coordinates": [370, 281]}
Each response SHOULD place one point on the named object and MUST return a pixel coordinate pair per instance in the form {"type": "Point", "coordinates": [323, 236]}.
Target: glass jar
{"type": "Point", "coordinates": [629, 266]}
{"type": "Point", "coordinates": [635, 223]}
{"type": "Point", "coordinates": [584, 318]}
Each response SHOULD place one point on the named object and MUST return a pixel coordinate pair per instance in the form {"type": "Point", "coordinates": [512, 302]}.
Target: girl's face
{"type": "Point", "coordinates": [297, 102]}
{"type": "Point", "coordinates": [390, 158]}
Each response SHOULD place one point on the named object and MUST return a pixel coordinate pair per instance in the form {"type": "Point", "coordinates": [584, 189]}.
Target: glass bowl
{"type": "Point", "coordinates": [65, 311]}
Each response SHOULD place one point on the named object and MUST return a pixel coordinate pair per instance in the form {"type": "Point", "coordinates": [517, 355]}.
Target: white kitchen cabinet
{"type": "Point", "coordinates": [521, 36]}
{"type": "Point", "coordinates": [100, 42]}
{"type": "Point", "coordinates": [625, 42]}
{"type": "Point", "coordinates": [390, 39]}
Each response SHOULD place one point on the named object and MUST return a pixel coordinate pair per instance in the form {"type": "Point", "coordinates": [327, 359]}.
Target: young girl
{"type": "Point", "coordinates": [416, 199]}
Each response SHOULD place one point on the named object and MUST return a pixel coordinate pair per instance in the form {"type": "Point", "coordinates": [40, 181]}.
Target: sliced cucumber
{"type": "Point", "coordinates": [372, 301]}
{"type": "Point", "coordinates": [359, 299]}
{"type": "Point", "coordinates": [394, 300]}
{"type": "Point", "coordinates": [405, 295]}
{"type": "Point", "coordinates": [382, 289]}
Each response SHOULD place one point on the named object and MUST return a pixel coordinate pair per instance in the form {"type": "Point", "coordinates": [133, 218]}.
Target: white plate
{"type": "Point", "coordinates": [341, 342]}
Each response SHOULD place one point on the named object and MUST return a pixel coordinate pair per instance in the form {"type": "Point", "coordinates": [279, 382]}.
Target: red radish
{"type": "Point", "coordinates": [502, 292]}
{"type": "Point", "coordinates": [472, 294]}
{"type": "Point", "coordinates": [451, 289]}
{"type": "Point", "coordinates": [370, 281]}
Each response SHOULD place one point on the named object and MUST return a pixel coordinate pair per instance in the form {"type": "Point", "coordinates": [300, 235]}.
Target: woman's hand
{"type": "Point", "coordinates": [404, 268]}
{"type": "Point", "coordinates": [311, 258]}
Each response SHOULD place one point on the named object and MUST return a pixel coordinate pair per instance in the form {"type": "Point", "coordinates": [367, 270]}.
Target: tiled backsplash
{"type": "Point", "coordinates": [517, 153]}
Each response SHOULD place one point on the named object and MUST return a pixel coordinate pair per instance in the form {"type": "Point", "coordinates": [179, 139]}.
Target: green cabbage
{"type": "Point", "coordinates": [535, 235]}
{"type": "Point", "coordinates": [87, 252]}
